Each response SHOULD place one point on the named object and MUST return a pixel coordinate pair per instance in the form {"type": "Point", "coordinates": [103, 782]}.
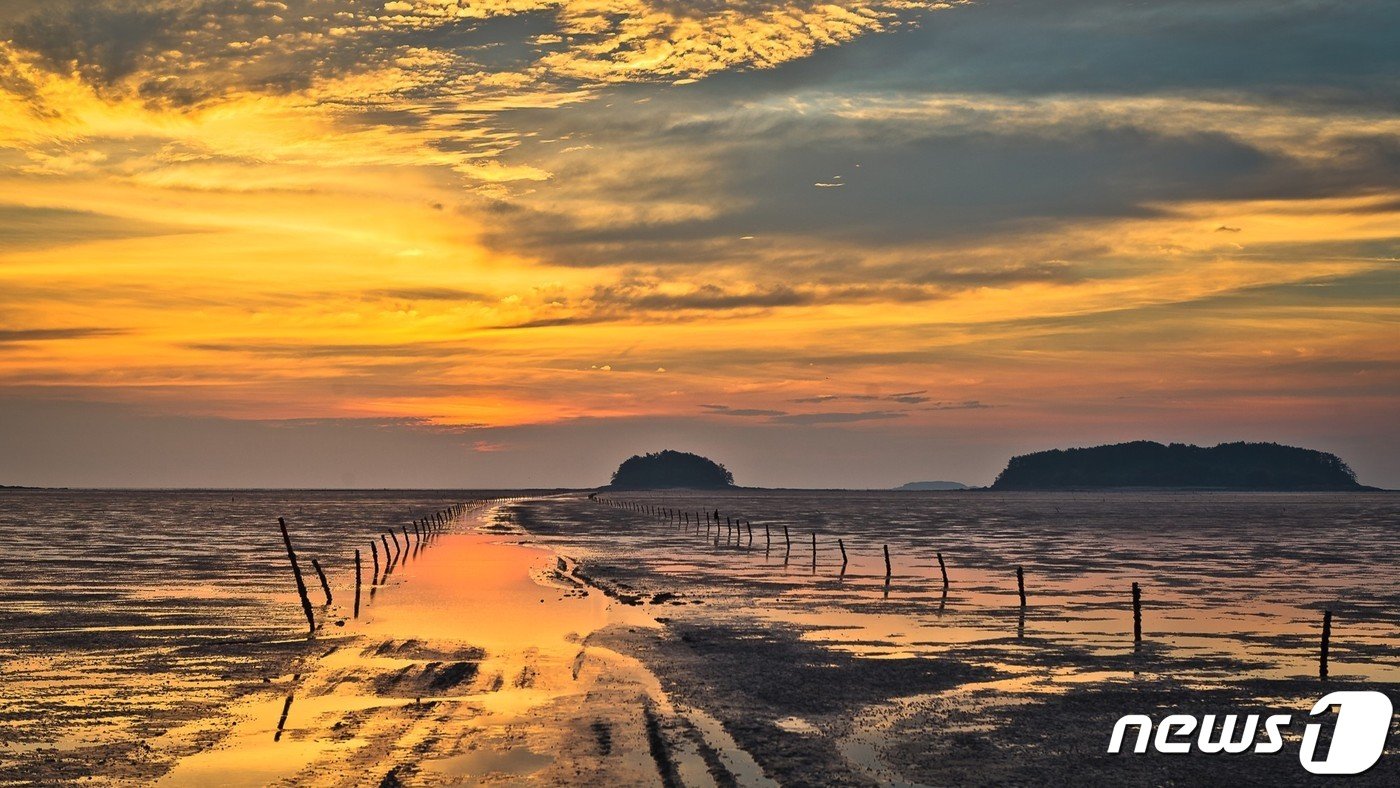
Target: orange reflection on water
{"type": "Point", "coordinates": [472, 636]}
{"type": "Point", "coordinates": [475, 589]}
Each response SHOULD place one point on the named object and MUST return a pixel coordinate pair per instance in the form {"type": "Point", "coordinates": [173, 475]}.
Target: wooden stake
{"type": "Point", "coordinates": [357, 582]}
{"type": "Point", "coordinates": [326, 587]}
{"type": "Point", "coordinates": [887, 564]}
{"type": "Point", "coordinates": [282, 721]}
{"type": "Point", "coordinates": [1326, 642]}
{"type": "Point", "coordinates": [944, 569]}
{"type": "Point", "coordinates": [1021, 585]}
{"type": "Point", "coordinates": [842, 544]}
{"type": "Point", "coordinates": [1137, 614]}
{"type": "Point", "coordinates": [296, 573]}
{"type": "Point", "coordinates": [374, 552]}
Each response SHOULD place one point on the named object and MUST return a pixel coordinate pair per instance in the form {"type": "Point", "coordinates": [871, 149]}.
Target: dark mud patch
{"type": "Point", "coordinates": [750, 676]}
{"type": "Point", "coordinates": [602, 736]}
{"type": "Point", "coordinates": [416, 680]}
{"type": "Point", "coordinates": [1063, 739]}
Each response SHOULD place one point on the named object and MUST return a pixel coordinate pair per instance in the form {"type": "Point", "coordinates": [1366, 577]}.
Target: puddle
{"type": "Point", "coordinates": [797, 725]}
{"type": "Point", "coordinates": [516, 762]}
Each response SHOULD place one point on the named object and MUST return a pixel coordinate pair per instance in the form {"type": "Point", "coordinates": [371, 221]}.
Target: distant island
{"type": "Point", "coordinates": [1229, 466]}
{"type": "Point", "coordinates": [670, 469]}
{"type": "Point", "coordinates": [932, 486]}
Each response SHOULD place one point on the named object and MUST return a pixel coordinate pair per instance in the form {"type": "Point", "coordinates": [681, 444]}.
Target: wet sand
{"type": "Point", "coordinates": [478, 663]}
{"type": "Point", "coordinates": [837, 678]}
{"type": "Point", "coordinates": [128, 613]}
{"type": "Point", "coordinates": [554, 641]}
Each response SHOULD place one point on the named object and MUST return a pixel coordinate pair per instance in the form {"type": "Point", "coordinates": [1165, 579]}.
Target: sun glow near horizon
{"type": "Point", "coordinates": [403, 211]}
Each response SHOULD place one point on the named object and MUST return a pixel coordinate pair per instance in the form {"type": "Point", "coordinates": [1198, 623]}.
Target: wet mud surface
{"type": "Point", "coordinates": [827, 677]}
{"type": "Point", "coordinates": [557, 640]}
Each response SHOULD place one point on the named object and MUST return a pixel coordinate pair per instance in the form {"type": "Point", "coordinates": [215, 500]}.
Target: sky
{"type": "Point", "coordinates": [438, 243]}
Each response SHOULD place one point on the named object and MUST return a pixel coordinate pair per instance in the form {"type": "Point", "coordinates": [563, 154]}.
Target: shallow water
{"type": "Point", "coordinates": [1233, 585]}
{"type": "Point", "coordinates": [129, 613]}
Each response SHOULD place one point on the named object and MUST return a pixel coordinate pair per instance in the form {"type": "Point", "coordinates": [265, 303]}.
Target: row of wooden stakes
{"type": "Point", "coordinates": [684, 519]}
{"type": "Point", "coordinates": [425, 531]}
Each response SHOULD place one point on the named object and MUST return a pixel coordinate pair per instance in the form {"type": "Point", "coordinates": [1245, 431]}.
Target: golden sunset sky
{"type": "Point", "coordinates": [426, 242]}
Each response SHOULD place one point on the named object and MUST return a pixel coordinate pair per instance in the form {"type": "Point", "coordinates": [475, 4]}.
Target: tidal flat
{"type": "Point", "coordinates": [553, 639]}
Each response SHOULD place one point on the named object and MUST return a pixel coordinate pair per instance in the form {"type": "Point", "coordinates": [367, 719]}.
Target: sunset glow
{"type": "Point", "coordinates": [513, 230]}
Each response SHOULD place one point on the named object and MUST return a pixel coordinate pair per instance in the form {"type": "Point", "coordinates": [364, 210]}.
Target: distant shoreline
{"type": "Point", "coordinates": [581, 490]}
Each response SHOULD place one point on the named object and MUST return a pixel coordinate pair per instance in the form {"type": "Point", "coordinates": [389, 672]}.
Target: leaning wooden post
{"type": "Point", "coordinates": [1021, 585]}
{"type": "Point", "coordinates": [887, 564]}
{"type": "Point", "coordinates": [842, 544]}
{"type": "Point", "coordinates": [357, 582]}
{"type": "Point", "coordinates": [944, 569]}
{"type": "Point", "coordinates": [326, 587]}
{"type": "Point", "coordinates": [749, 524]}
{"type": "Point", "coordinates": [374, 553]}
{"type": "Point", "coordinates": [1326, 642]}
{"type": "Point", "coordinates": [814, 551]}
{"type": "Point", "coordinates": [767, 537]}
{"type": "Point", "coordinates": [405, 539]}
{"type": "Point", "coordinates": [787, 539]}
{"type": "Point", "coordinates": [1137, 614]}
{"type": "Point", "coordinates": [388, 561]}
{"type": "Point", "coordinates": [397, 551]}
{"type": "Point", "coordinates": [296, 573]}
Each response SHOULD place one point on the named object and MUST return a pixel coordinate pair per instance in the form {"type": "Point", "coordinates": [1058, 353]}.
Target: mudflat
{"type": "Point", "coordinates": [560, 640]}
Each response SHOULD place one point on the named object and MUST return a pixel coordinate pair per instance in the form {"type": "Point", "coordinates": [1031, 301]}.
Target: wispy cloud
{"type": "Point", "coordinates": [19, 335]}
{"type": "Point", "coordinates": [889, 217]}
{"type": "Point", "coordinates": [838, 417]}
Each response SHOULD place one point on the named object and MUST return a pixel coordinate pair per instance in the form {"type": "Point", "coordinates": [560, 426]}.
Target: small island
{"type": "Point", "coordinates": [927, 486]}
{"type": "Point", "coordinates": [1146, 464]}
{"type": "Point", "coordinates": [670, 469]}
